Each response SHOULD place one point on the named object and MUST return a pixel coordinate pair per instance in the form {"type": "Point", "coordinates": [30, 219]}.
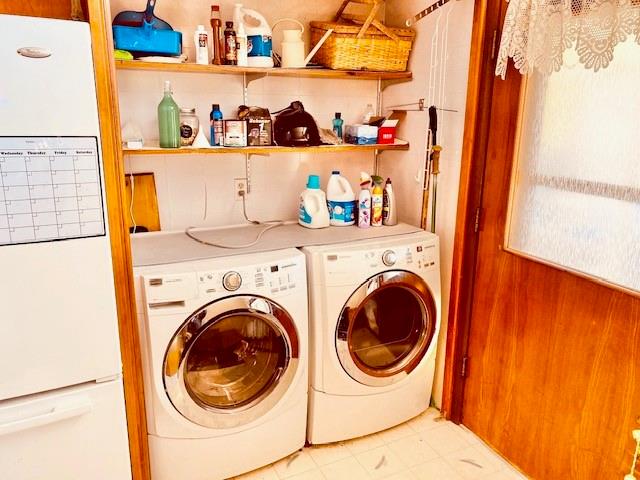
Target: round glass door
{"type": "Point", "coordinates": [385, 328]}
{"type": "Point", "coordinates": [231, 361]}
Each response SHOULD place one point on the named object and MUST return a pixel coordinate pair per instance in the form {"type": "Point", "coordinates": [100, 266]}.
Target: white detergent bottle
{"type": "Point", "coordinates": [313, 211]}
{"type": "Point", "coordinates": [259, 38]}
{"type": "Point", "coordinates": [341, 201]}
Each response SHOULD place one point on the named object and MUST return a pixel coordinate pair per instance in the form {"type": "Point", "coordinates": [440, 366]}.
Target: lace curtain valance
{"type": "Point", "coordinates": [537, 33]}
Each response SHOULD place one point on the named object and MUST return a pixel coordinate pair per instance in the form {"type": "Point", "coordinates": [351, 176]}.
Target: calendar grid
{"type": "Point", "coordinates": [50, 189]}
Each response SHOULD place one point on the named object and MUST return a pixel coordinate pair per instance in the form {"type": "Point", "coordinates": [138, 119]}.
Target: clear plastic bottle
{"type": "Point", "coordinates": [369, 112]}
{"type": "Point", "coordinates": [169, 119]}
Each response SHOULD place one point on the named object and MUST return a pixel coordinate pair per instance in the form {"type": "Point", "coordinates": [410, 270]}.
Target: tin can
{"type": "Point", "coordinates": [235, 133]}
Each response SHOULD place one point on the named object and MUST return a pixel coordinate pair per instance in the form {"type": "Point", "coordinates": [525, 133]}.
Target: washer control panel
{"type": "Point", "coordinates": [269, 280]}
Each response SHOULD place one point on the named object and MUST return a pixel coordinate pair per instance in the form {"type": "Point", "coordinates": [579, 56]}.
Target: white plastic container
{"type": "Point", "coordinates": [259, 40]}
{"type": "Point", "coordinates": [313, 211]}
{"type": "Point", "coordinates": [341, 201]}
{"type": "Point", "coordinates": [201, 41]}
{"type": "Point", "coordinates": [241, 38]}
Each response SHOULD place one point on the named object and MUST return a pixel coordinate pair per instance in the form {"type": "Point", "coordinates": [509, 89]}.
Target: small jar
{"type": "Point", "coordinates": [189, 126]}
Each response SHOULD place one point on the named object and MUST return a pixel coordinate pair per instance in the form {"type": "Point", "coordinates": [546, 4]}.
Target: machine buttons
{"type": "Point", "coordinates": [231, 281]}
{"type": "Point", "coordinates": [389, 258]}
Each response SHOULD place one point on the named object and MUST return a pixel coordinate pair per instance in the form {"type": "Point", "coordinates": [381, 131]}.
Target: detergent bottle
{"type": "Point", "coordinates": [377, 201]}
{"type": "Point", "coordinates": [258, 32]}
{"type": "Point", "coordinates": [364, 201]}
{"type": "Point", "coordinates": [341, 201]}
{"type": "Point", "coordinates": [313, 211]}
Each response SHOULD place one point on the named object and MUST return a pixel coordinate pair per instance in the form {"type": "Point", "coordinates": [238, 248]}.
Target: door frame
{"type": "Point", "coordinates": [485, 40]}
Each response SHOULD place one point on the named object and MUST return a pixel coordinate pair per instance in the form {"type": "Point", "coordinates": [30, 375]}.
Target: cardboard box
{"type": "Point", "coordinates": [387, 132]}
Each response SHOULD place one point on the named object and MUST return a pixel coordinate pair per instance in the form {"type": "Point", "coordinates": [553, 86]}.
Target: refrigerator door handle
{"type": "Point", "coordinates": [60, 411]}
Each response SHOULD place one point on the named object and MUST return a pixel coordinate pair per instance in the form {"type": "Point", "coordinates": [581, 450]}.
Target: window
{"type": "Point", "coordinates": [575, 199]}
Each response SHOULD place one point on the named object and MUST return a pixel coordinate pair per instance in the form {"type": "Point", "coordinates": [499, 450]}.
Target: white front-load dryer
{"type": "Point", "coordinates": [225, 362]}
{"type": "Point", "coordinates": [374, 323]}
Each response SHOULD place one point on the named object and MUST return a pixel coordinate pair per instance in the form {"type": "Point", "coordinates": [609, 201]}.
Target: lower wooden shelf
{"type": "Point", "coordinates": [346, 147]}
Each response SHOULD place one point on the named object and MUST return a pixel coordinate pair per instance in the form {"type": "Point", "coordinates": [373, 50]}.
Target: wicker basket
{"type": "Point", "coordinates": [375, 51]}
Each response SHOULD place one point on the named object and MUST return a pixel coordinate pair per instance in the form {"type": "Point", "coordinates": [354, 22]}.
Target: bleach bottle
{"type": "Point", "coordinates": [341, 201]}
{"type": "Point", "coordinates": [258, 32]}
{"type": "Point", "coordinates": [313, 205]}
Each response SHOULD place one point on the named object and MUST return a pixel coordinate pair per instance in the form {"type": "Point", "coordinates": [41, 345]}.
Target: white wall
{"type": "Point", "coordinates": [277, 180]}
{"type": "Point", "coordinates": [440, 64]}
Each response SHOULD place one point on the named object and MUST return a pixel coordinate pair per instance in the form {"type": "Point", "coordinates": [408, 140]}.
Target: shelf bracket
{"type": "Point", "coordinates": [247, 78]}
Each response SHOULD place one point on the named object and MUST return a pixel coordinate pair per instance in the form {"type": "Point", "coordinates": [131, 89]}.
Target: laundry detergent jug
{"type": "Point", "coordinates": [313, 205]}
{"type": "Point", "coordinates": [341, 201]}
{"type": "Point", "coordinates": [259, 41]}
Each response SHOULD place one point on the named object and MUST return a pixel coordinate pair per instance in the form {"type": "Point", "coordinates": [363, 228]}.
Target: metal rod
{"type": "Point", "coordinates": [247, 171]}
{"type": "Point", "coordinates": [421, 107]}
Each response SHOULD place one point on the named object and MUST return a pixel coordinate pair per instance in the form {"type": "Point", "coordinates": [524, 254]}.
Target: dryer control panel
{"type": "Point", "coordinates": [416, 257]}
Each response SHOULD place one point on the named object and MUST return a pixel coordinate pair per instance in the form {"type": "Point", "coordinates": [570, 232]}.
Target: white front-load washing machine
{"type": "Point", "coordinates": [225, 362]}
{"type": "Point", "coordinates": [374, 322]}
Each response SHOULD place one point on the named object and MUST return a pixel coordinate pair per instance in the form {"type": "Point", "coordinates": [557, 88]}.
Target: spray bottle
{"type": "Point", "coordinates": [364, 201]}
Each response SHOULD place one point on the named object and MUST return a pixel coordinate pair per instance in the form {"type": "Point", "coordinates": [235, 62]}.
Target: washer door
{"type": "Point", "coordinates": [231, 361]}
{"type": "Point", "coordinates": [385, 328]}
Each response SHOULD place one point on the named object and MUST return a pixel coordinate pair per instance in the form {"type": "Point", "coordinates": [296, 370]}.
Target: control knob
{"type": "Point", "coordinates": [389, 258]}
{"type": "Point", "coordinates": [231, 281]}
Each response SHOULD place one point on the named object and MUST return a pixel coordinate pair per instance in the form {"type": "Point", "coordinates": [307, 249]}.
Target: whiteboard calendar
{"type": "Point", "coordinates": [50, 189]}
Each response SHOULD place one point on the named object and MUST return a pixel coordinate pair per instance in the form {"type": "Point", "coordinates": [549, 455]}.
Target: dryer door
{"type": "Point", "coordinates": [231, 361]}
{"type": "Point", "coordinates": [386, 328]}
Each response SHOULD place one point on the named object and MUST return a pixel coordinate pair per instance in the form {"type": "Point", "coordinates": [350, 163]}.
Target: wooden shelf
{"type": "Point", "coordinates": [155, 150]}
{"type": "Point", "coordinates": [280, 72]}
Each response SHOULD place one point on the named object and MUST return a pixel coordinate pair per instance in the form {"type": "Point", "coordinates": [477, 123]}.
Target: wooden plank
{"type": "Point", "coordinates": [346, 147]}
{"type": "Point", "coordinates": [276, 72]}
{"type": "Point", "coordinates": [476, 132]}
{"type": "Point", "coordinates": [144, 208]}
{"type": "Point", "coordinates": [100, 21]}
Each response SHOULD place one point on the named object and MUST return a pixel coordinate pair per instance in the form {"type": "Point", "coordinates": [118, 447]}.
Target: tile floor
{"type": "Point", "coordinates": [425, 448]}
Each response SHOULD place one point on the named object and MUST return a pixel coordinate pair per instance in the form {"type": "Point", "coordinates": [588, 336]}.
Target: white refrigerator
{"type": "Point", "coordinates": [62, 410]}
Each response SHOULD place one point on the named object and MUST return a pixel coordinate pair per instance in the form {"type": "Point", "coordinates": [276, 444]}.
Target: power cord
{"type": "Point", "coordinates": [269, 225]}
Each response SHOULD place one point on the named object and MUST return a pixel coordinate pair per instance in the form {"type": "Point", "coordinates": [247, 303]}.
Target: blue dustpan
{"type": "Point", "coordinates": [147, 40]}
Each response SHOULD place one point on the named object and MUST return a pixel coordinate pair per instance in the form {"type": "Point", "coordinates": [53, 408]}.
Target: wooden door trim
{"type": "Point", "coordinates": [102, 45]}
{"type": "Point", "coordinates": [485, 40]}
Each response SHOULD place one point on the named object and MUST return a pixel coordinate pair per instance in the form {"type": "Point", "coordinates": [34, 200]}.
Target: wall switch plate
{"type": "Point", "coordinates": [239, 188]}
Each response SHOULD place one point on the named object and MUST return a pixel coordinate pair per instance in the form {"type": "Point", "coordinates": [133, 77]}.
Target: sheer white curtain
{"type": "Point", "coordinates": [537, 33]}
{"type": "Point", "coordinates": [575, 199]}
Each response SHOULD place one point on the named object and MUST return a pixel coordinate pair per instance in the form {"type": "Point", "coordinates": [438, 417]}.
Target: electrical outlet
{"type": "Point", "coordinates": [239, 188]}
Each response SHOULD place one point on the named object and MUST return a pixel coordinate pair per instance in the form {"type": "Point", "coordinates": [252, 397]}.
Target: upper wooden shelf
{"type": "Point", "coordinates": [280, 72]}
{"type": "Point", "coordinates": [346, 147]}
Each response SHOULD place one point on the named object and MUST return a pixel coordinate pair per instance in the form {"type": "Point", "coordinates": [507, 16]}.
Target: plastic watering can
{"type": "Point", "coordinates": [293, 54]}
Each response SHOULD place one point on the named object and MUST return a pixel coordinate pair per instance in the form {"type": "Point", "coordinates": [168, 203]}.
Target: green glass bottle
{"type": "Point", "coordinates": [169, 119]}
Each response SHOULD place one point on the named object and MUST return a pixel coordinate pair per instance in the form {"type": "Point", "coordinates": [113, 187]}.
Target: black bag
{"type": "Point", "coordinates": [294, 127]}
